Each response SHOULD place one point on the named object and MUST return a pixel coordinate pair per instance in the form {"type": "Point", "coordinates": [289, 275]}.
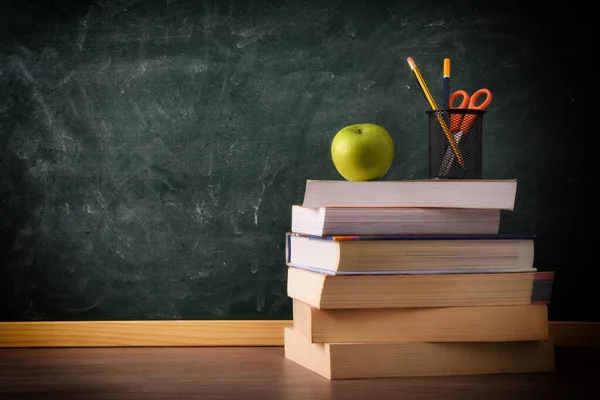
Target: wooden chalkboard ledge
{"type": "Point", "coordinates": [202, 333]}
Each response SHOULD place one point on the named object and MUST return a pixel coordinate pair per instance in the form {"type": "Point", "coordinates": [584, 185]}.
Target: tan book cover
{"type": "Point", "coordinates": [400, 359]}
{"type": "Point", "coordinates": [431, 324]}
{"type": "Point", "coordinates": [421, 290]}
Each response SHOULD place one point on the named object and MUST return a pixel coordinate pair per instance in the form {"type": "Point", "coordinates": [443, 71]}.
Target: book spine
{"type": "Point", "coordinates": [541, 291]}
{"type": "Point", "coordinates": [288, 247]}
{"type": "Point", "coordinates": [499, 236]}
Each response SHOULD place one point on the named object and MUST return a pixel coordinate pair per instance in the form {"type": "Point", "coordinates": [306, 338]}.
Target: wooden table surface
{"type": "Point", "coordinates": [260, 373]}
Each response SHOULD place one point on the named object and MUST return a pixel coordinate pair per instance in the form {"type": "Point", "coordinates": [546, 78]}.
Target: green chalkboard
{"type": "Point", "coordinates": [150, 151]}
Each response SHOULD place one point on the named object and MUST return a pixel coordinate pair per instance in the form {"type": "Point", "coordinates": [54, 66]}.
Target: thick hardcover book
{"type": "Point", "coordinates": [325, 221]}
{"type": "Point", "coordinates": [419, 290]}
{"type": "Point", "coordinates": [396, 359]}
{"type": "Point", "coordinates": [428, 324]}
{"type": "Point", "coordinates": [396, 254]}
{"type": "Point", "coordinates": [444, 193]}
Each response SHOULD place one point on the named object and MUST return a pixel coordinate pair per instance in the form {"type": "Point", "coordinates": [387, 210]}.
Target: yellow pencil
{"type": "Point", "coordinates": [434, 107]}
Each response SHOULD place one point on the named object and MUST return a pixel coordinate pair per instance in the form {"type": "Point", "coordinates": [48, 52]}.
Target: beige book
{"type": "Point", "coordinates": [411, 252]}
{"type": "Point", "coordinates": [443, 193]}
{"type": "Point", "coordinates": [400, 359]}
{"type": "Point", "coordinates": [427, 290]}
{"type": "Point", "coordinates": [432, 324]}
{"type": "Point", "coordinates": [394, 221]}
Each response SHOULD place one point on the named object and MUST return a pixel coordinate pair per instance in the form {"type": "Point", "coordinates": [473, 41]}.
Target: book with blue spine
{"type": "Point", "coordinates": [410, 254]}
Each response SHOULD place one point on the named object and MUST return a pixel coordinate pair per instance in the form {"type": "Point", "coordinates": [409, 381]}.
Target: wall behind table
{"type": "Point", "coordinates": [151, 150]}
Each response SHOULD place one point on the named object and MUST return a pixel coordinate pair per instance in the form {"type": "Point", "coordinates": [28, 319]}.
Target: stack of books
{"type": "Point", "coordinates": [413, 278]}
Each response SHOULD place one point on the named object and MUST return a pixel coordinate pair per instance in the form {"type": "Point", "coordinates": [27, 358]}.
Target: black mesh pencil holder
{"type": "Point", "coordinates": [464, 159]}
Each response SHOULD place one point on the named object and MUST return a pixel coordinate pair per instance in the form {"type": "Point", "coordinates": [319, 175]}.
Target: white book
{"type": "Point", "coordinates": [442, 193]}
{"type": "Point", "coordinates": [324, 221]}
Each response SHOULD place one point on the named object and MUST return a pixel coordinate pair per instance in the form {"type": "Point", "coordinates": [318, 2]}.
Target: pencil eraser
{"type": "Point", "coordinates": [411, 62]}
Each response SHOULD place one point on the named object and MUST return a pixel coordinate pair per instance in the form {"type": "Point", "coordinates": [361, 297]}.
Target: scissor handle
{"type": "Point", "coordinates": [469, 119]}
{"type": "Point", "coordinates": [477, 95]}
{"type": "Point", "coordinates": [456, 119]}
{"type": "Point", "coordinates": [459, 93]}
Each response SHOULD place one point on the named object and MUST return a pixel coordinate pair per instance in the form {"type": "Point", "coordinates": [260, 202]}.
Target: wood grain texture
{"type": "Point", "coordinates": [141, 333]}
{"type": "Point", "coordinates": [202, 333]}
{"type": "Point", "coordinates": [226, 373]}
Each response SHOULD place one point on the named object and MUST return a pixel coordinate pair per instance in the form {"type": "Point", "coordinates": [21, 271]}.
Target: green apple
{"type": "Point", "coordinates": [362, 152]}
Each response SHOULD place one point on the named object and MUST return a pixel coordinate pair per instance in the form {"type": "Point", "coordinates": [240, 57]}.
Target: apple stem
{"type": "Point", "coordinates": [359, 131]}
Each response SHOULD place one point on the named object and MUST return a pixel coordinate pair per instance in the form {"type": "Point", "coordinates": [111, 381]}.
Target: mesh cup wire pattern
{"type": "Point", "coordinates": [443, 164]}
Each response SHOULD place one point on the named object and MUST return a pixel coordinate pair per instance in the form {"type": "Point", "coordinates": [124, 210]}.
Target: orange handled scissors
{"type": "Point", "coordinates": [461, 123]}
